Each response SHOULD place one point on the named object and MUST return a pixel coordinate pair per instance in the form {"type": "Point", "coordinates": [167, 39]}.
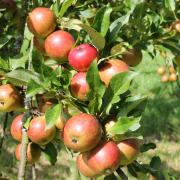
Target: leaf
{"type": "Point", "coordinates": [118, 85]}
{"type": "Point", "coordinates": [3, 64]}
{"type": "Point", "coordinates": [96, 88]}
{"type": "Point", "coordinates": [170, 4]}
{"type": "Point", "coordinates": [131, 104]}
{"type": "Point", "coordinates": [102, 20]}
{"type": "Point", "coordinates": [97, 39]}
{"type": "Point", "coordinates": [124, 124]}
{"type": "Point", "coordinates": [146, 147]}
{"type": "Point", "coordinates": [111, 177]}
{"type": "Point", "coordinates": [33, 88]}
{"type": "Point", "coordinates": [66, 4]}
{"type": "Point", "coordinates": [156, 163]}
{"type": "Point", "coordinates": [22, 76]}
{"type": "Point", "coordinates": [50, 153]}
{"type": "Point", "coordinates": [4, 40]}
{"type": "Point", "coordinates": [18, 61]}
{"type": "Point", "coordinates": [52, 114]}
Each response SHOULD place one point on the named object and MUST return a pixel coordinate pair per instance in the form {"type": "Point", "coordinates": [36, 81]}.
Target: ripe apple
{"type": "Point", "coordinates": [161, 70]}
{"type": "Point", "coordinates": [111, 68]}
{"type": "Point", "coordinates": [82, 132]}
{"type": "Point", "coordinates": [129, 150]}
{"type": "Point", "coordinates": [81, 57]}
{"type": "Point", "coordinates": [16, 127]}
{"type": "Point", "coordinates": [173, 77]}
{"type": "Point", "coordinates": [79, 86]}
{"type": "Point", "coordinates": [37, 132]}
{"type": "Point", "coordinates": [41, 21]}
{"type": "Point", "coordinates": [58, 44]}
{"type": "Point", "coordinates": [164, 78]}
{"type": "Point", "coordinates": [39, 44]}
{"type": "Point", "coordinates": [176, 26]}
{"type": "Point", "coordinates": [104, 158]}
{"type": "Point", "coordinates": [132, 57]}
{"type": "Point", "coordinates": [84, 168]}
{"type": "Point", "coordinates": [33, 152]}
{"type": "Point", "coordinates": [10, 99]}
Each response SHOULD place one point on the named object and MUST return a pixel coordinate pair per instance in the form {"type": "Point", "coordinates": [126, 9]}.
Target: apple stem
{"type": "Point", "coordinates": [23, 158]}
{"type": "Point", "coordinates": [3, 131]}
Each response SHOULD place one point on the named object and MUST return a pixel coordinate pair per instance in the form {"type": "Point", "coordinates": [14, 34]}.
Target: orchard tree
{"type": "Point", "coordinates": [68, 67]}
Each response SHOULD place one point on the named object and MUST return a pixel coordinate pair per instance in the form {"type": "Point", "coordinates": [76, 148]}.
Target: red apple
{"type": "Point", "coordinates": [10, 99]}
{"type": "Point", "coordinates": [84, 168]}
{"type": "Point", "coordinates": [41, 21]}
{"type": "Point", "coordinates": [39, 44]}
{"type": "Point", "coordinates": [79, 86]}
{"type": "Point", "coordinates": [82, 132]}
{"type": "Point", "coordinates": [16, 127]}
{"type": "Point", "coordinates": [104, 158]}
{"type": "Point", "coordinates": [132, 57]}
{"type": "Point", "coordinates": [111, 68]}
{"type": "Point", "coordinates": [129, 149]}
{"type": "Point", "coordinates": [58, 44]}
{"type": "Point", "coordinates": [81, 57]}
{"type": "Point", "coordinates": [33, 152]}
{"type": "Point", "coordinates": [37, 132]}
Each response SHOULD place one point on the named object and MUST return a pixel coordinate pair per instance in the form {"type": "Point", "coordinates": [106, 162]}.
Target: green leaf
{"type": "Point", "coordinates": [125, 124]}
{"type": "Point", "coordinates": [3, 64]}
{"type": "Point", "coordinates": [156, 163]}
{"type": "Point", "coordinates": [66, 4]}
{"type": "Point", "coordinates": [18, 61]}
{"type": "Point", "coordinates": [146, 147]}
{"type": "Point", "coordinates": [4, 40]}
{"type": "Point", "coordinates": [22, 76]}
{"type": "Point", "coordinates": [52, 114]}
{"type": "Point", "coordinates": [33, 88]}
{"type": "Point", "coordinates": [102, 20]}
{"type": "Point", "coordinates": [97, 39]}
{"type": "Point", "coordinates": [118, 85]}
{"type": "Point", "coordinates": [96, 88]}
{"type": "Point", "coordinates": [170, 4]}
{"type": "Point", "coordinates": [50, 153]}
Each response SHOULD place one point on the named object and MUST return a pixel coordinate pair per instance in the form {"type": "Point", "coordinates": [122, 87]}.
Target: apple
{"type": "Point", "coordinates": [39, 44]}
{"type": "Point", "coordinates": [10, 99]}
{"type": "Point", "coordinates": [84, 168]}
{"type": "Point", "coordinates": [82, 132]}
{"type": "Point", "coordinates": [111, 68]}
{"type": "Point", "coordinates": [176, 26]}
{"type": "Point", "coordinates": [104, 159]}
{"type": "Point", "coordinates": [61, 121]}
{"type": "Point", "coordinates": [81, 57]}
{"type": "Point", "coordinates": [161, 70]}
{"type": "Point", "coordinates": [37, 132]}
{"type": "Point", "coordinates": [33, 152]}
{"type": "Point", "coordinates": [58, 45]}
{"type": "Point", "coordinates": [132, 57]}
{"type": "Point", "coordinates": [79, 86]}
{"type": "Point", "coordinates": [41, 21]}
{"type": "Point", "coordinates": [164, 78]}
{"type": "Point", "coordinates": [129, 150]}
{"type": "Point", "coordinates": [173, 77]}
{"type": "Point", "coordinates": [16, 127]}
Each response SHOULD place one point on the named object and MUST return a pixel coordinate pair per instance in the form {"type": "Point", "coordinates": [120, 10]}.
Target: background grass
{"type": "Point", "coordinates": [160, 124]}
